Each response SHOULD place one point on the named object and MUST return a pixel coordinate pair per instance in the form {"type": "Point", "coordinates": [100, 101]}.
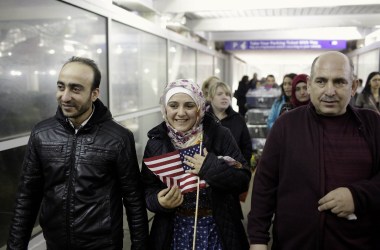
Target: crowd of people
{"type": "Point", "coordinates": [316, 186]}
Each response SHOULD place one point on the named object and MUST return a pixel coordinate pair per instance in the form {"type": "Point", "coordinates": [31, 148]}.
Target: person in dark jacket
{"type": "Point", "coordinates": [218, 218]}
{"type": "Point", "coordinates": [220, 99]}
{"type": "Point", "coordinates": [319, 171]}
{"type": "Point", "coordinates": [79, 169]}
{"type": "Point", "coordinates": [219, 95]}
{"type": "Point", "coordinates": [240, 95]}
{"type": "Point", "coordinates": [253, 82]}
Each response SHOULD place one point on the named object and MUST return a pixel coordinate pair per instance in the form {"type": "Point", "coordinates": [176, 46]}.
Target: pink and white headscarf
{"type": "Point", "coordinates": [189, 87]}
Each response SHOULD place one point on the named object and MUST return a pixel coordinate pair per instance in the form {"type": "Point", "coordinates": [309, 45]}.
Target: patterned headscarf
{"type": "Point", "coordinates": [192, 136]}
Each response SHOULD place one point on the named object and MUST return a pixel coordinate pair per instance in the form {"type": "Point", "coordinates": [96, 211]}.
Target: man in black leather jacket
{"type": "Point", "coordinates": [79, 169]}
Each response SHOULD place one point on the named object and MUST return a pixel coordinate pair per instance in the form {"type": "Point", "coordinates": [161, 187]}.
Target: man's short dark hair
{"type": "Point", "coordinates": [91, 63]}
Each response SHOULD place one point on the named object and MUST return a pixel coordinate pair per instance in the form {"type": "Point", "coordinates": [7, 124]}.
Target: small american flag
{"type": "Point", "coordinates": [170, 169]}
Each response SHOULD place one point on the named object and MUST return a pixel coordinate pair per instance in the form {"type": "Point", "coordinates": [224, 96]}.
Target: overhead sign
{"type": "Point", "coordinates": [286, 45]}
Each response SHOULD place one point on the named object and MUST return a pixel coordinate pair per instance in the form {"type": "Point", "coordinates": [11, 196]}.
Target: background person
{"type": "Point", "coordinates": [240, 95]}
{"type": "Point", "coordinates": [207, 83]}
{"type": "Point", "coordinates": [299, 96]}
{"type": "Point", "coordinates": [286, 92]}
{"type": "Point", "coordinates": [220, 99]}
{"type": "Point", "coordinates": [80, 167]}
{"type": "Point", "coordinates": [369, 97]}
{"type": "Point", "coordinates": [308, 176]}
{"type": "Point", "coordinates": [185, 123]}
{"type": "Point", "coordinates": [270, 82]}
{"type": "Point", "coordinates": [253, 82]}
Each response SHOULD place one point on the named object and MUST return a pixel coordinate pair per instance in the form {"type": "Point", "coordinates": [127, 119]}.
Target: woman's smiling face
{"type": "Point", "coordinates": [181, 112]}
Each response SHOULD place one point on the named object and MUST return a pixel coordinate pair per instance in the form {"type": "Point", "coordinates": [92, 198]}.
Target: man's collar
{"type": "Point", "coordinates": [84, 122]}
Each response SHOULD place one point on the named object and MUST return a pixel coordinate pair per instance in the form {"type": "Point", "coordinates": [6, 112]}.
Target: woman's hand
{"type": "Point", "coordinates": [170, 197]}
{"type": "Point", "coordinates": [195, 162]}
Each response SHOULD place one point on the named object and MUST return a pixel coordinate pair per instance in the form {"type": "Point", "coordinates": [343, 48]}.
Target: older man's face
{"type": "Point", "coordinates": [331, 86]}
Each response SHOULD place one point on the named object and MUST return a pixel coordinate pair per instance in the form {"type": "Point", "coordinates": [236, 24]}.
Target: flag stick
{"type": "Point", "coordinates": [197, 199]}
{"type": "Point", "coordinates": [196, 216]}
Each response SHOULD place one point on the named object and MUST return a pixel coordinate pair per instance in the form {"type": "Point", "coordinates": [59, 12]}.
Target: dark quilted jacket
{"type": "Point", "coordinates": [81, 182]}
{"type": "Point", "coordinates": [225, 183]}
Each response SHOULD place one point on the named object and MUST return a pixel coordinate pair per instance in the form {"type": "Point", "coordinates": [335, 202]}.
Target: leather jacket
{"type": "Point", "coordinates": [80, 181]}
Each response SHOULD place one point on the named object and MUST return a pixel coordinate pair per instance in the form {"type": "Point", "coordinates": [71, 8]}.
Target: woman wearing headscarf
{"type": "Point", "coordinates": [218, 220]}
{"type": "Point", "coordinates": [299, 96]}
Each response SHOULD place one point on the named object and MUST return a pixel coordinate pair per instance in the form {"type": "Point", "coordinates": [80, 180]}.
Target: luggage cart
{"type": "Point", "coordinates": [259, 103]}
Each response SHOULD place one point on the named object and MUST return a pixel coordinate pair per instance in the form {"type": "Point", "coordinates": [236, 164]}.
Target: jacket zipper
{"type": "Point", "coordinates": [69, 186]}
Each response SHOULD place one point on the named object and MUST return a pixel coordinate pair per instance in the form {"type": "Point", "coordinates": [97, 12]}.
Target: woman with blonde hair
{"type": "Point", "coordinates": [220, 96]}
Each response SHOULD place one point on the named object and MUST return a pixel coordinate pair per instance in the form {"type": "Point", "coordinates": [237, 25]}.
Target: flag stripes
{"type": "Point", "coordinates": [170, 169]}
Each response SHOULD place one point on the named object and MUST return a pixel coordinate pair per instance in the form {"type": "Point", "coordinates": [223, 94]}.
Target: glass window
{"type": "Point", "coordinates": [181, 62]}
{"type": "Point", "coordinates": [137, 69]}
{"type": "Point", "coordinates": [33, 46]}
{"type": "Point", "coordinates": [367, 63]}
{"type": "Point", "coordinates": [219, 68]}
{"type": "Point", "coordinates": [140, 127]}
{"type": "Point", "coordinates": [204, 67]}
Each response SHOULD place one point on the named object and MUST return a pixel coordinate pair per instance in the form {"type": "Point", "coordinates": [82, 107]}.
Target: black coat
{"type": "Point", "coordinates": [240, 93]}
{"type": "Point", "coordinates": [225, 182]}
{"type": "Point", "coordinates": [238, 127]}
{"type": "Point", "coordinates": [81, 182]}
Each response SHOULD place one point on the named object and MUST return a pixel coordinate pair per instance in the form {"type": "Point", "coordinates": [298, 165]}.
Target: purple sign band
{"type": "Point", "coordinates": [286, 45]}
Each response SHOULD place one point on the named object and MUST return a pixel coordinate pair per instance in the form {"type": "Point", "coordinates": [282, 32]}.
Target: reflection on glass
{"type": "Point", "coordinates": [10, 168]}
{"type": "Point", "coordinates": [367, 63]}
{"type": "Point", "coordinates": [32, 50]}
{"type": "Point", "coordinates": [204, 67]}
{"type": "Point", "coordinates": [33, 46]}
{"type": "Point", "coordinates": [138, 66]}
{"type": "Point", "coordinates": [140, 127]}
{"type": "Point", "coordinates": [219, 68]}
{"type": "Point", "coordinates": [181, 62]}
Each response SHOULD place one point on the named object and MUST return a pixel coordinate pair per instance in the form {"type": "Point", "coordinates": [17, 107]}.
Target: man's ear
{"type": "Point", "coordinates": [355, 84]}
{"type": "Point", "coordinates": [94, 94]}
{"type": "Point", "coordinates": [308, 82]}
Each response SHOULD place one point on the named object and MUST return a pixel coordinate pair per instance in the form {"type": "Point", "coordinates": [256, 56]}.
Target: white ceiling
{"type": "Point", "coordinates": [221, 20]}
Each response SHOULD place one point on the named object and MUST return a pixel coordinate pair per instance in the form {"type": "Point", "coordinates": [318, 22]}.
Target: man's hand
{"type": "Point", "coordinates": [339, 201]}
{"type": "Point", "coordinates": [170, 197]}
